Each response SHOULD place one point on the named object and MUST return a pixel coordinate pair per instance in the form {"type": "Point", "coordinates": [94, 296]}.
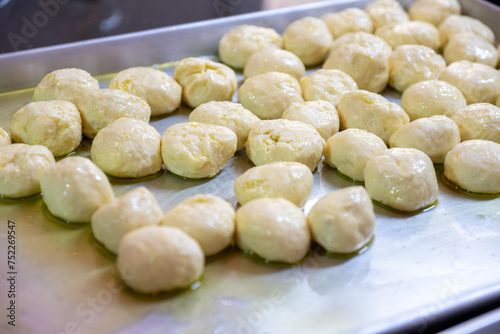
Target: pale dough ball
{"type": "Point", "coordinates": [309, 38]}
{"type": "Point", "coordinates": [401, 178]}
{"type": "Point", "coordinates": [348, 20]}
{"type": "Point", "coordinates": [69, 84]}
{"type": "Point", "coordinates": [274, 60]}
{"type": "Point", "coordinates": [127, 148]}
{"type": "Point", "coordinates": [242, 41]}
{"type": "Point", "coordinates": [469, 46]}
{"type": "Point", "coordinates": [229, 114]}
{"type": "Point", "coordinates": [479, 121]}
{"type": "Point", "coordinates": [54, 124]}
{"type": "Point", "coordinates": [409, 64]}
{"type": "Point", "coordinates": [284, 140]}
{"type": "Point", "coordinates": [474, 165]}
{"type": "Point", "coordinates": [268, 95]}
{"type": "Point", "coordinates": [432, 97]}
{"type": "Point", "coordinates": [157, 88]}
{"type": "Point", "coordinates": [274, 229]}
{"type": "Point", "coordinates": [384, 12]}
{"type": "Point", "coordinates": [197, 150]}
{"type": "Point", "coordinates": [477, 82]}
{"type": "Point", "coordinates": [157, 259]}
{"type": "Point", "coordinates": [366, 40]}
{"type": "Point", "coordinates": [327, 85]}
{"type": "Point", "coordinates": [372, 112]}
{"type": "Point", "coordinates": [343, 221]}
{"type": "Point", "coordinates": [290, 180]}
{"type": "Point", "coordinates": [498, 101]}
{"type": "Point", "coordinates": [135, 209]}
{"type": "Point", "coordinates": [411, 32]}
{"type": "Point", "coordinates": [349, 150]}
{"type": "Point", "coordinates": [433, 11]}
{"type": "Point", "coordinates": [320, 114]}
{"type": "Point", "coordinates": [435, 136]}
{"type": "Point", "coordinates": [74, 188]}
{"type": "Point", "coordinates": [4, 138]}
{"type": "Point", "coordinates": [99, 108]}
{"type": "Point", "coordinates": [209, 219]}
{"type": "Point", "coordinates": [21, 167]}
{"type": "Point", "coordinates": [455, 24]}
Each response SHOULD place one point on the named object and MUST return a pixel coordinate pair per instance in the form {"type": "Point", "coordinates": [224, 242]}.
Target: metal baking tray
{"type": "Point", "coordinates": [419, 270]}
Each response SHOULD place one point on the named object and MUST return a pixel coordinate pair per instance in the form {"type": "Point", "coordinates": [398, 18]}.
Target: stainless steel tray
{"type": "Point", "coordinates": [419, 269]}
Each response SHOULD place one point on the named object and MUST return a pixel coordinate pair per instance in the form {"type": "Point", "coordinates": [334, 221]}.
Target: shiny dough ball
{"type": "Point", "coordinates": [384, 12]}
{"type": "Point", "coordinates": [474, 165]}
{"type": "Point", "coordinates": [409, 64]}
{"type": "Point", "coordinates": [274, 60]}
{"type": "Point", "coordinates": [209, 219]}
{"type": "Point", "coordinates": [309, 38]}
{"type": "Point", "coordinates": [157, 259]}
{"type": "Point", "coordinates": [343, 221]}
{"type": "Point", "coordinates": [290, 180]}
{"type": "Point", "coordinates": [479, 121]}
{"type": "Point", "coordinates": [229, 114]}
{"type": "Point", "coordinates": [99, 108]}
{"type": "Point", "coordinates": [435, 136]}
{"type": "Point", "coordinates": [242, 41]}
{"type": "Point", "coordinates": [401, 178]}
{"type": "Point", "coordinates": [268, 95]}
{"type": "Point", "coordinates": [160, 90]}
{"type": "Point", "coordinates": [285, 140]}
{"type": "Point", "coordinates": [197, 150]}
{"type": "Point", "coordinates": [274, 229]}
{"type": "Point", "coordinates": [365, 40]}
{"type": "Point", "coordinates": [455, 24]}
{"type": "Point", "coordinates": [432, 97]}
{"type": "Point", "coordinates": [411, 32]}
{"type": "Point", "coordinates": [135, 209]}
{"type": "Point", "coordinates": [477, 82]}
{"type": "Point", "coordinates": [69, 84]}
{"type": "Point", "coordinates": [349, 150]}
{"type": "Point", "coordinates": [74, 188]}
{"type": "Point", "coordinates": [4, 138]}
{"type": "Point", "coordinates": [54, 124]}
{"type": "Point", "coordinates": [21, 167]}
{"type": "Point", "coordinates": [327, 85]}
{"type": "Point", "coordinates": [127, 148]}
{"type": "Point", "coordinates": [433, 11]}
{"type": "Point", "coordinates": [372, 112]}
{"type": "Point", "coordinates": [348, 20]}
{"type": "Point", "coordinates": [469, 46]}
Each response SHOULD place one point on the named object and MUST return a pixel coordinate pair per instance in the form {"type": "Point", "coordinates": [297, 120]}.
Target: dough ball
{"type": "Point", "coordinates": [455, 24]}
{"type": "Point", "coordinates": [433, 11]}
{"type": "Point", "coordinates": [21, 167]}
{"type": "Point", "coordinates": [74, 188]}
{"type": "Point", "coordinates": [343, 221]}
{"type": "Point", "coordinates": [157, 259]}
{"type": "Point", "coordinates": [327, 85]}
{"type": "Point", "coordinates": [469, 46]}
{"type": "Point", "coordinates": [410, 32]}
{"type": "Point", "coordinates": [432, 97]}
{"type": "Point", "coordinates": [435, 136]}
{"type": "Point", "coordinates": [67, 84]}
{"type": "Point", "coordinates": [4, 138]}
{"type": "Point", "coordinates": [401, 178]}
{"type": "Point", "coordinates": [384, 12]}
{"type": "Point", "coordinates": [242, 41]}
{"type": "Point", "coordinates": [99, 108]}
{"type": "Point", "coordinates": [54, 124]}
{"type": "Point", "coordinates": [349, 150]}
{"type": "Point", "coordinates": [274, 60]}
{"type": "Point", "coordinates": [127, 148]}
{"type": "Point", "coordinates": [365, 40]}
{"type": "Point", "coordinates": [157, 88]}
{"type": "Point", "coordinates": [309, 38]}
{"type": "Point", "coordinates": [372, 112]}
{"type": "Point", "coordinates": [477, 82]}
{"type": "Point", "coordinates": [134, 209]}
{"type": "Point", "coordinates": [409, 64]}
{"type": "Point", "coordinates": [474, 165]}
{"type": "Point", "coordinates": [348, 20]}
{"type": "Point", "coordinates": [229, 114]}
{"type": "Point", "coordinates": [284, 140]}
{"type": "Point", "coordinates": [320, 114]}
{"type": "Point", "coordinates": [268, 95]}
{"type": "Point", "coordinates": [479, 121]}
{"type": "Point", "coordinates": [197, 150]}
{"type": "Point", "coordinates": [208, 219]}
{"type": "Point", "coordinates": [290, 180]}
{"type": "Point", "coordinates": [274, 229]}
